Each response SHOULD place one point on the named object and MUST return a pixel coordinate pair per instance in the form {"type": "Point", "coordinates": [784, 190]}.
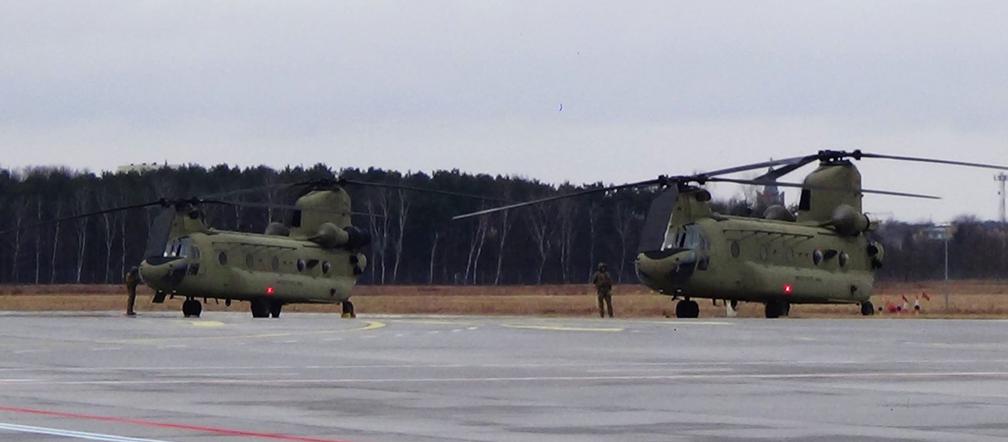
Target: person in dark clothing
{"type": "Point", "coordinates": [603, 288]}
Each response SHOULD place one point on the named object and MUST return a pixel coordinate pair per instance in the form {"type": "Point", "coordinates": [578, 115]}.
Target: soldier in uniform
{"type": "Point", "coordinates": [603, 288]}
{"type": "Point", "coordinates": [132, 278]}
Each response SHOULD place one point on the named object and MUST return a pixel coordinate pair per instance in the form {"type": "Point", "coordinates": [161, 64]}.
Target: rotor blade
{"type": "Point", "coordinates": [774, 174]}
{"type": "Point", "coordinates": [835, 189]}
{"type": "Point", "coordinates": [230, 193]}
{"type": "Point", "coordinates": [930, 160]}
{"type": "Point", "coordinates": [292, 207]}
{"type": "Point", "coordinates": [651, 182]}
{"type": "Point", "coordinates": [85, 215]}
{"type": "Point", "coordinates": [421, 189]}
{"type": "Point", "coordinates": [786, 161]}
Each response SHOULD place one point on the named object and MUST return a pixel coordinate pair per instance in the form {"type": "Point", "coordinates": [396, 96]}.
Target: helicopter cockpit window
{"type": "Point", "coordinates": [691, 237]}
{"type": "Point", "coordinates": [179, 248]}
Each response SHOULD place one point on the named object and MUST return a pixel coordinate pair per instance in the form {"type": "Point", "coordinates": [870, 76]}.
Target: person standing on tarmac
{"type": "Point", "coordinates": [132, 279]}
{"type": "Point", "coordinates": [603, 288]}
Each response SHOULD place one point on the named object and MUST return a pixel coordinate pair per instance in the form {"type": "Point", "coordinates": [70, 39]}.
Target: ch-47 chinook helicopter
{"type": "Point", "coordinates": [821, 255]}
{"type": "Point", "coordinates": [314, 258]}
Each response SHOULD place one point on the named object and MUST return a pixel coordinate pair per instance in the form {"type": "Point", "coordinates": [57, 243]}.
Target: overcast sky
{"type": "Point", "coordinates": [646, 88]}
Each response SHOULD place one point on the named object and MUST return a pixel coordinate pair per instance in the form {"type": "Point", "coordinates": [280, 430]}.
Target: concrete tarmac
{"type": "Point", "coordinates": [316, 377]}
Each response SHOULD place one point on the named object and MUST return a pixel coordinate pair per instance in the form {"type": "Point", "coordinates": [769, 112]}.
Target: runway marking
{"type": "Point", "coordinates": [563, 328]}
{"type": "Point", "coordinates": [207, 324]}
{"type": "Point", "coordinates": [227, 432]}
{"type": "Point", "coordinates": [433, 322]}
{"type": "Point", "coordinates": [371, 325]}
{"type": "Point", "coordinates": [74, 434]}
{"type": "Point", "coordinates": [670, 377]}
{"type": "Point", "coordinates": [587, 365]}
{"type": "Point", "coordinates": [690, 322]}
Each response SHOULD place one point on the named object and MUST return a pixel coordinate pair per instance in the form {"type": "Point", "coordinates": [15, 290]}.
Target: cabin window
{"type": "Point", "coordinates": [195, 253]}
{"type": "Point", "coordinates": [817, 257]}
{"type": "Point", "coordinates": [326, 267]}
{"type": "Point", "coordinates": [275, 264]}
{"type": "Point", "coordinates": [300, 265]}
{"type": "Point", "coordinates": [736, 250]}
{"type": "Point", "coordinates": [249, 261]}
{"type": "Point", "coordinates": [843, 259]}
{"type": "Point", "coordinates": [222, 258]}
{"type": "Point", "coordinates": [805, 203]}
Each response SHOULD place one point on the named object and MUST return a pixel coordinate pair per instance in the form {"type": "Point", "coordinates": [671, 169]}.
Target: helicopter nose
{"type": "Point", "coordinates": [660, 267]}
{"type": "Point", "coordinates": [162, 274]}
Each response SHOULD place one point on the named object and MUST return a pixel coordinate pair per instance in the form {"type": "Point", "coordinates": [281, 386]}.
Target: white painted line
{"type": "Point", "coordinates": [73, 434]}
{"type": "Point", "coordinates": [670, 377]}
{"type": "Point", "coordinates": [587, 364]}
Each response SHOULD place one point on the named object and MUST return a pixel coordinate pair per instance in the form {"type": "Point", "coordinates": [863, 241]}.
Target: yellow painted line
{"type": "Point", "coordinates": [434, 322]}
{"type": "Point", "coordinates": [207, 324]}
{"type": "Point", "coordinates": [562, 328]}
{"type": "Point", "coordinates": [371, 325]}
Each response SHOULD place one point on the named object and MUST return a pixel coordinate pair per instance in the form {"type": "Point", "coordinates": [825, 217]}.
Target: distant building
{"type": "Point", "coordinates": [771, 195]}
{"type": "Point", "coordinates": [144, 167]}
{"type": "Point", "coordinates": [936, 233]}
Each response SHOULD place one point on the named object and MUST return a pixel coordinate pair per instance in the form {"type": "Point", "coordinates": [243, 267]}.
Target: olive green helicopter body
{"type": "Point", "coordinates": [823, 254]}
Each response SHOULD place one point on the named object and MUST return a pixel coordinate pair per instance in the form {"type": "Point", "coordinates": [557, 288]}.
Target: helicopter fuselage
{"type": "Point", "coordinates": [247, 266]}
{"type": "Point", "coordinates": [759, 260]}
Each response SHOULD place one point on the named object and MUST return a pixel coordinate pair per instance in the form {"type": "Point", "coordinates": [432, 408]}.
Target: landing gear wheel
{"type": "Point", "coordinates": [867, 309]}
{"type": "Point", "coordinates": [348, 310]}
{"type": "Point", "coordinates": [776, 309]}
{"type": "Point", "coordinates": [687, 309]}
{"type": "Point", "coordinates": [191, 308]}
{"type": "Point", "coordinates": [274, 309]}
{"type": "Point", "coordinates": [260, 309]}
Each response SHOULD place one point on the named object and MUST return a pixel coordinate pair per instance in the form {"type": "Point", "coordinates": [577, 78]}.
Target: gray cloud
{"type": "Point", "coordinates": [646, 87]}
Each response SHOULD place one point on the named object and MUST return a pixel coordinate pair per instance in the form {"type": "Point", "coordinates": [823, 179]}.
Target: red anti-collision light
{"type": "Point", "coordinates": [787, 289]}
{"type": "Point", "coordinates": [269, 290]}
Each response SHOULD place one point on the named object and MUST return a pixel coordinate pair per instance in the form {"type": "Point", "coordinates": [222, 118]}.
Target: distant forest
{"type": "Point", "coordinates": [414, 240]}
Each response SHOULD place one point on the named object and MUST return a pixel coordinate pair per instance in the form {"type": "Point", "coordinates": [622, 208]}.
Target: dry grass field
{"type": "Point", "coordinates": [964, 299]}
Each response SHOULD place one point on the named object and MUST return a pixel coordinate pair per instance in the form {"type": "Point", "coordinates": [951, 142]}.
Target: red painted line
{"type": "Point", "coordinates": [155, 424]}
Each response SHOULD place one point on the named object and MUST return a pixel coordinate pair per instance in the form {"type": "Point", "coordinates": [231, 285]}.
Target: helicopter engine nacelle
{"type": "Point", "coordinates": [358, 238]}
{"type": "Point", "coordinates": [779, 213]}
{"type": "Point", "coordinates": [277, 229]}
{"type": "Point", "coordinates": [848, 221]}
{"type": "Point", "coordinates": [329, 235]}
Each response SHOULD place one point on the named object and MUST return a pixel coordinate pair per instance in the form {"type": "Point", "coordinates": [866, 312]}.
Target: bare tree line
{"type": "Point", "coordinates": [414, 241]}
